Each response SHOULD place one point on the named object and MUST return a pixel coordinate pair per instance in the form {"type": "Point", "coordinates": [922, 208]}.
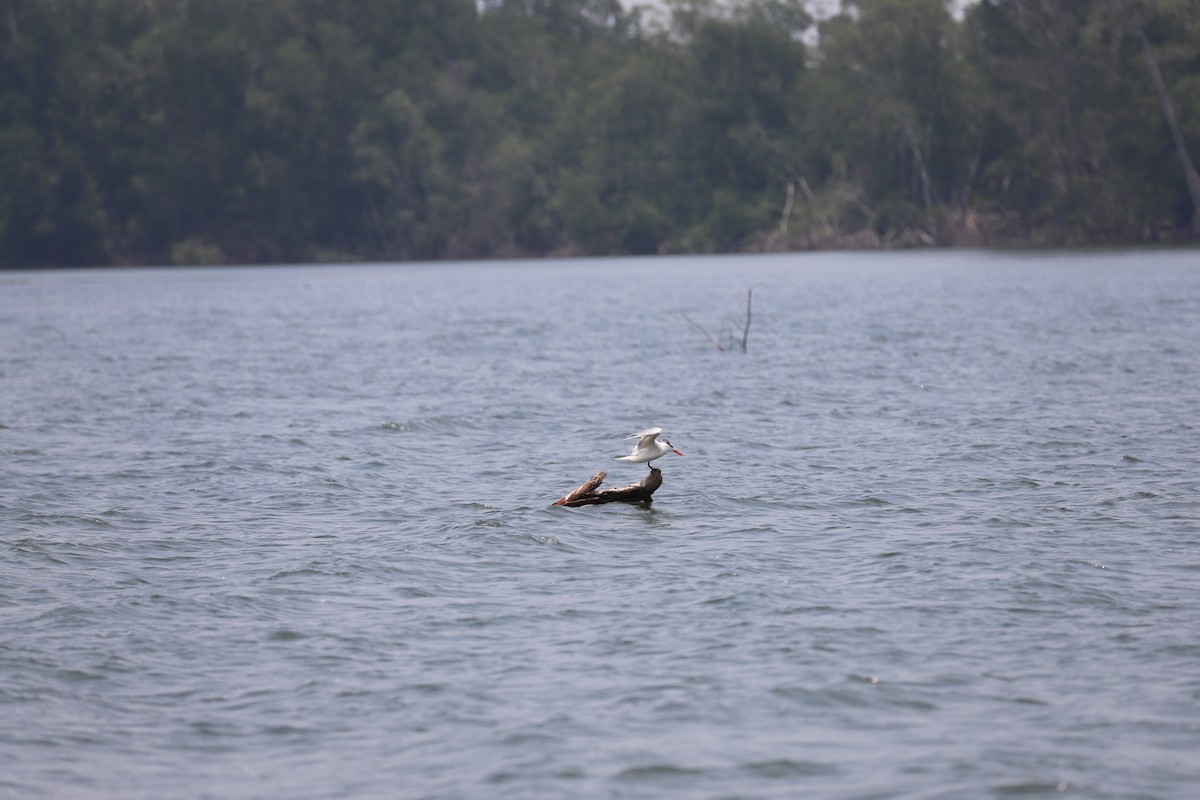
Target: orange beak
{"type": "Point", "coordinates": [676, 452]}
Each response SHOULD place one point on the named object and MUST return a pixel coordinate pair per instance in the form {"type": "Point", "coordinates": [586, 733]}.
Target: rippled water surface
{"type": "Point", "coordinates": [288, 532]}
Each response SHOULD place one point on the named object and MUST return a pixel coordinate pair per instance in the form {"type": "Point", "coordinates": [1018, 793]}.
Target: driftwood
{"type": "Point", "coordinates": [587, 494]}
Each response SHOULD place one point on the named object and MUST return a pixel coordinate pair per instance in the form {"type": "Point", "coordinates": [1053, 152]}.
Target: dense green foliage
{"type": "Point", "coordinates": [194, 131]}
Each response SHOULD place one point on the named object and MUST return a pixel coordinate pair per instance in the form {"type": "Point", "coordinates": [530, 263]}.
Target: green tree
{"type": "Point", "coordinates": [1179, 139]}
{"type": "Point", "coordinates": [1080, 150]}
{"type": "Point", "coordinates": [894, 91]}
{"type": "Point", "coordinates": [51, 203]}
{"type": "Point", "coordinates": [293, 130]}
{"type": "Point", "coordinates": [615, 190]}
{"type": "Point", "coordinates": [745, 100]}
{"type": "Point", "coordinates": [398, 165]}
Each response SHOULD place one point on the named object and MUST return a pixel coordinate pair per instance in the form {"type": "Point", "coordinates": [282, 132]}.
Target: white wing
{"type": "Point", "coordinates": [651, 432]}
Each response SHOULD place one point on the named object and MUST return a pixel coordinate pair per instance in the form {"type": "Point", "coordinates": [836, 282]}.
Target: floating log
{"type": "Point", "coordinates": [587, 494]}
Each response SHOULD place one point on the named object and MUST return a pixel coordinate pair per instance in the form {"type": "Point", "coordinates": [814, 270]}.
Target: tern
{"type": "Point", "coordinates": [648, 447]}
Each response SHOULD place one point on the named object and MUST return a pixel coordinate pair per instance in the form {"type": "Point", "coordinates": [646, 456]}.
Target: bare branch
{"type": "Point", "coordinates": [727, 337]}
{"type": "Point", "coordinates": [787, 207]}
{"type": "Point", "coordinates": [703, 330]}
{"type": "Point", "coordinates": [746, 329]}
{"type": "Point", "coordinates": [812, 198]}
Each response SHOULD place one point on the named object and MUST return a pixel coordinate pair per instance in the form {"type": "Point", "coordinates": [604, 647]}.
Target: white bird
{"type": "Point", "coordinates": [648, 447]}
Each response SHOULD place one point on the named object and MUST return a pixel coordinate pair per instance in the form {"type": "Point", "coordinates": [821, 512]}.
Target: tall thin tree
{"type": "Point", "coordinates": [1191, 177]}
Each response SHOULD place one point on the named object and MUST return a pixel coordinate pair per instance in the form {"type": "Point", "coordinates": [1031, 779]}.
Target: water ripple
{"type": "Point", "coordinates": [943, 514]}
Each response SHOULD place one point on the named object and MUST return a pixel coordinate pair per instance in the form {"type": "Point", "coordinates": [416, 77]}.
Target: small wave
{"type": "Point", "coordinates": [445, 425]}
{"type": "Point", "coordinates": [789, 768]}
{"type": "Point", "coordinates": [295, 573]}
{"type": "Point", "coordinates": [1030, 788]}
{"type": "Point", "coordinates": [657, 772]}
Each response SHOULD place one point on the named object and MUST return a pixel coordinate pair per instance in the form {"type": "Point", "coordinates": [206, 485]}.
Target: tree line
{"type": "Point", "coordinates": [255, 131]}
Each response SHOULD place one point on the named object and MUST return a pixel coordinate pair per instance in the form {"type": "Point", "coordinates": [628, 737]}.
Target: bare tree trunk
{"type": "Point", "coordinates": [11, 19]}
{"type": "Point", "coordinates": [812, 198]}
{"type": "Point", "coordinates": [910, 135]}
{"type": "Point", "coordinates": [1191, 177]}
{"type": "Point", "coordinates": [787, 207]}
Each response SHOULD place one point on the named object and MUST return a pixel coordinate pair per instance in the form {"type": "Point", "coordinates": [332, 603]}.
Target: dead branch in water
{"type": "Point", "coordinates": [746, 329]}
{"type": "Point", "coordinates": [726, 340]}
{"type": "Point", "coordinates": [715, 343]}
{"type": "Point", "coordinates": [586, 494]}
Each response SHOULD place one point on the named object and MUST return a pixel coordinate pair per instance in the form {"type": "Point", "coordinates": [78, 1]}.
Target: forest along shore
{"type": "Point", "coordinates": [226, 132]}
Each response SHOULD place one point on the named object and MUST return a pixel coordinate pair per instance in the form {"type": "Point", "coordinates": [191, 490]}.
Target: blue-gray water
{"type": "Point", "coordinates": [287, 532]}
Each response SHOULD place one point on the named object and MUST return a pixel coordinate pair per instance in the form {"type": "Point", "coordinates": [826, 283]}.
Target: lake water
{"type": "Point", "coordinates": [287, 532]}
